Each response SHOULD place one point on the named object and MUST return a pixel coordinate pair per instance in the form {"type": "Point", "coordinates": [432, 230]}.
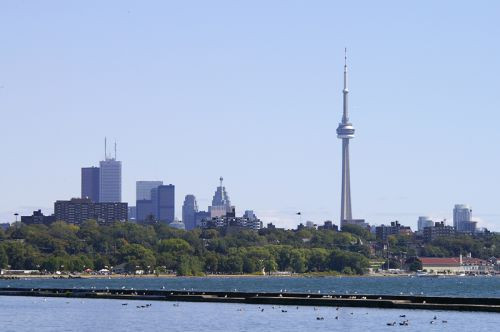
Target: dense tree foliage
{"type": "Point", "coordinates": [64, 247]}
{"type": "Point", "coordinates": [159, 248]}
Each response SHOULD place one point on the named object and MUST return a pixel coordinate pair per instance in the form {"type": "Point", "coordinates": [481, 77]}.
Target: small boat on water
{"type": "Point", "coordinates": [426, 275]}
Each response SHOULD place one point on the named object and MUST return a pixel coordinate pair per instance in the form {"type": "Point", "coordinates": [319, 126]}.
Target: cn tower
{"type": "Point", "coordinates": [345, 132]}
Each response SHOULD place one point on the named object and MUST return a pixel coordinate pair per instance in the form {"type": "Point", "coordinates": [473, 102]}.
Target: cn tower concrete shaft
{"type": "Point", "coordinates": [345, 209]}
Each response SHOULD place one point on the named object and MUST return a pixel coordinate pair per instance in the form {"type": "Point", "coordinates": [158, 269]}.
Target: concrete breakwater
{"type": "Point", "coordinates": [283, 298]}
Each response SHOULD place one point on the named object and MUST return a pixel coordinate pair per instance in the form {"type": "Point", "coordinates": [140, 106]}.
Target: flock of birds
{"type": "Point", "coordinates": [404, 322]}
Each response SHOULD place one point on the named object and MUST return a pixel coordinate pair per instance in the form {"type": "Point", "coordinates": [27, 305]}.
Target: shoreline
{"type": "Point", "coordinates": [168, 276]}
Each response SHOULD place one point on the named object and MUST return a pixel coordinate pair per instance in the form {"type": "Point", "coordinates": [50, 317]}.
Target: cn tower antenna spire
{"type": "Point", "coordinates": [345, 115]}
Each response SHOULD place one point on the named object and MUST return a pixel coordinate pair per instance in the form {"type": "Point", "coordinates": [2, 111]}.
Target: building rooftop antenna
{"type": "Point", "coordinates": [105, 148]}
{"type": "Point", "coordinates": [115, 149]}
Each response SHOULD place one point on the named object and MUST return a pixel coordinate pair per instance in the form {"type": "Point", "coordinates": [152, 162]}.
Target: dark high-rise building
{"type": "Point", "coordinates": [189, 209]}
{"type": "Point", "coordinates": [200, 216]}
{"type": "Point", "coordinates": [154, 203]}
{"type": "Point", "coordinates": [91, 183]}
{"type": "Point", "coordinates": [78, 210]}
{"type": "Point", "coordinates": [144, 210]}
{"type": "Point", "coordinates": [143, 189]}
{"type": "Point", "coordinates": [165, 202]}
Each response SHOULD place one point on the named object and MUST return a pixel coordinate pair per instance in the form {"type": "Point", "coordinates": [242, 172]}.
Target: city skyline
{"type": "Point", "coordinates": [189, 99]}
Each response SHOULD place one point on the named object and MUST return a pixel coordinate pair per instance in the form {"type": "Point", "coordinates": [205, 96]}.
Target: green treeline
{"type": "Point", "coordinates": [65, 247]}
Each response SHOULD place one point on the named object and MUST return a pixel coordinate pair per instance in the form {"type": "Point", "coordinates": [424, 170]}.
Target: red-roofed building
{"type": "Point", "coordinates": [456, 265]}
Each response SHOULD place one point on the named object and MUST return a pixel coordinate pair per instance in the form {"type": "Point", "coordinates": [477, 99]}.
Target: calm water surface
{"type": "Point", "coordinates": [448, 286]}
{"type": "Point", "coordinates": [57, 314]}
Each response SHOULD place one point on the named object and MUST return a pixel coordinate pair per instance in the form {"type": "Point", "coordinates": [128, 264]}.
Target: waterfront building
{"type": "Point", "coordinates": [189, 209]}
{"type": "Point", "coordinates": [383, 232]}
{"type": "Point", "coordinates": [438, 230]}
{"type": "Point", "coordinates": [468, 265]}
{"type": "Point", "coordinates": [165, 203]}
{"type": "Point", "coordinates": [462, 219]}
{"type": "Point", "coordinates": [90, 183]}
{"type": "Point", "coordinates": [423, 222]}
{"type": "Point", "coordinates": [78, 210]}
{"type": "Point", "coordinates": [143, 189]}
{"type": "Point", "coordinates": [37, 218]}
{"type": "Point", "coordinates": [221, 204]}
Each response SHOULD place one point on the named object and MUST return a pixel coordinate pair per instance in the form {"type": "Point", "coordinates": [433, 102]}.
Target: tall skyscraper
{"type": "Point", "coordinates": [462, 219]}
{"type": "Point", "coordinates": [165, 204]}
{"type": "Point", "coordinates": [144, 210]}
{"type": "Point", "coordinates": [110, 179]}
{"type": "Point", "coordinates": [221, 205]}
{"type": "Point", "coordinates": [143, 189]}
{"type": "Point", "coordinates": [91, 183]}
{"type": "Point", "coordinates": [144, 203]}
{"type": "Point", "coordinates": [345, 132]}
{"type": "Point", "coordinates": [189, 209]}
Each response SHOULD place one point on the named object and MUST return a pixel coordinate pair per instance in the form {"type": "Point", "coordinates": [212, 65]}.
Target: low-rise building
{"type": "Point", "coordinates": [382, 232]}
{"type": "Point", "coordinates": [328, 224]}
{"type": "Point", "coordinates": [38, 218]}
{"type": "Point", "coordinates": [456, 265]}
{"type": "Point", "coordinates": [227, 222]}
{"type": "Point", "coordinates": [438, 230]}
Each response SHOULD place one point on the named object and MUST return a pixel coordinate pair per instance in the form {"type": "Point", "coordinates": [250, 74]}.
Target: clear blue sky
{"type": "Point", "coordinates": [251, 90]}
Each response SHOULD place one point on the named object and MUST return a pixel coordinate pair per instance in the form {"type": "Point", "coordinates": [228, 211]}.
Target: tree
{"type": "Point", "coordinates": [270, 265]}
{"type": "Point", "coordinates": [298, 261]}
{"type": "Point", "coordinates": [414, 264]}
{"type": "Point", "coordinates": [189, 266]}
{"type": "Point", "coordinates": [4, 260]}
{"type": "Point", "coordinates": [233, 264]}
{"type": "Point", "coordinates": [176, 246]}
{"type": "Point", "coordinates": [135, 255]}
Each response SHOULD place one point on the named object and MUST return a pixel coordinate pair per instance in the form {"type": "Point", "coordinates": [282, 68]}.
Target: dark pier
{"type": "Point", "coordinates": [295, 299]}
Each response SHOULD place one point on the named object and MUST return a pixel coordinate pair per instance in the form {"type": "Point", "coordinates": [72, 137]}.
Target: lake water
{"type": "Point", "coordinates": [448, 286]}
{"type": "Point", "coordinates": [58, 314]}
